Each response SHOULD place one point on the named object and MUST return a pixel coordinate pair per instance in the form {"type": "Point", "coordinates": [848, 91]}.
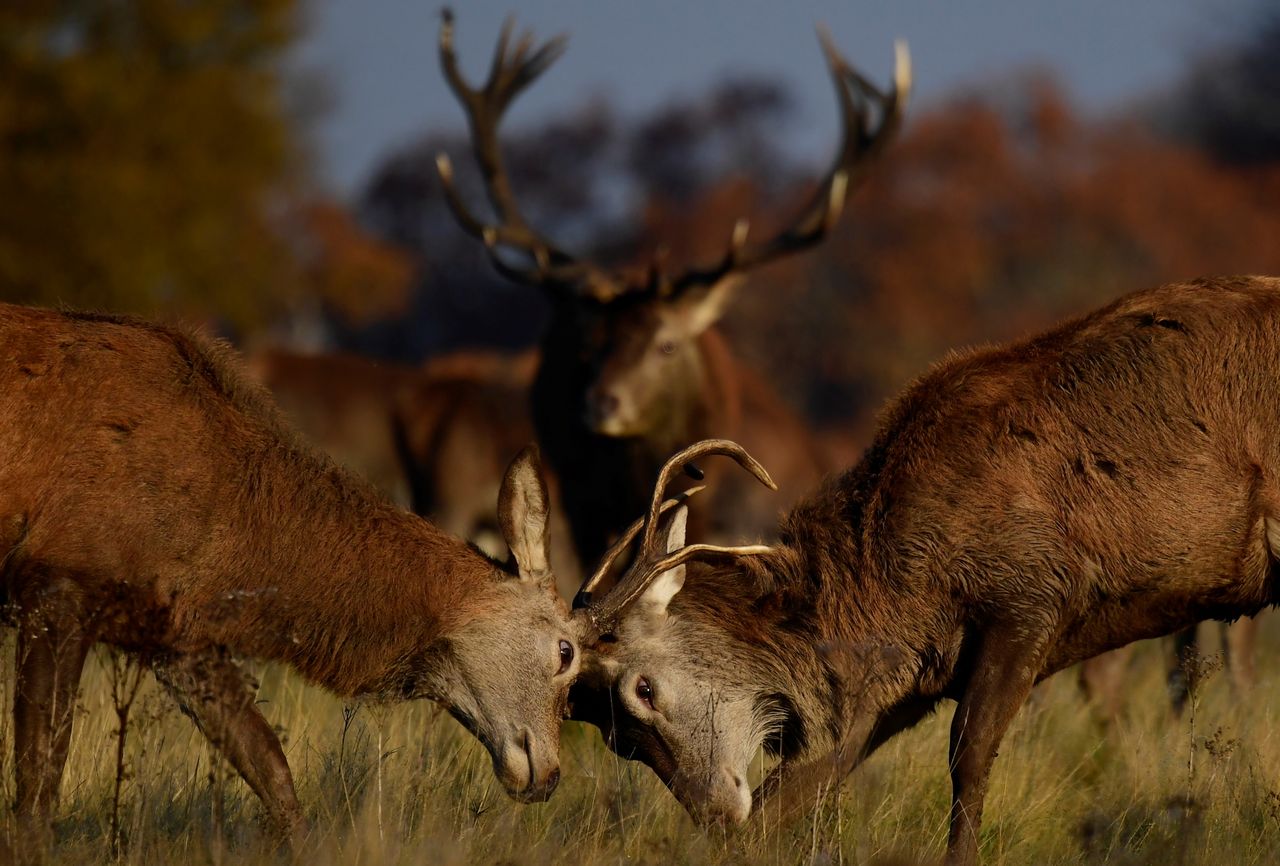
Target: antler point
{"type": "Point", "coordinates": [901, 67]}
{"type": "Point", "coordinates": [445, 166]}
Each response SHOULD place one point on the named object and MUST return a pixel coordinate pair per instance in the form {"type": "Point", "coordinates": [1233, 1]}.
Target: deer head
{"type": "Point", "coordinates": [505, 674]}
{"type": "Point", "coordinates": [625, 342]}
{"type": "Point", "coordinates": [671, 690]}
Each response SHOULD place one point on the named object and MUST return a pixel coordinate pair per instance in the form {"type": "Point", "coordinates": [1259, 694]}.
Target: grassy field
{"type": "Point", "coordinates": [405, 785]}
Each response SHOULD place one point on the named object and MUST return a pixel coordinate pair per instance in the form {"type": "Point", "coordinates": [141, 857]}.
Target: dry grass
{"type": "Point", "coordinates": [401, 785]}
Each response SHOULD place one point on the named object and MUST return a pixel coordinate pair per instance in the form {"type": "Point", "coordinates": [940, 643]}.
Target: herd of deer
{"type": "Point", "coordinates": [1022, 508]}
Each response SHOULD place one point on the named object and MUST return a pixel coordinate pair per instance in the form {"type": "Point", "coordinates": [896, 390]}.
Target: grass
{"type": "Point", "coordinates": [405, 785]}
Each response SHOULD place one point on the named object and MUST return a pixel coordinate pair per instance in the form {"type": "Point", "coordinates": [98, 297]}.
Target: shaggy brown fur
{"type": "Point", "coordinates": [1022, 508]}
{"type": "Point", "coordinates": [152, 499]}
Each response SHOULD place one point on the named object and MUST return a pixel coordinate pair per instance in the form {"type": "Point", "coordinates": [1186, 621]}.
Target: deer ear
{"type": "Point", "coordinates": [523, 515]}
{"type": "Point", "coordinates": [665, 586]}
{"type": "Point", "coordinates": [700, 308]}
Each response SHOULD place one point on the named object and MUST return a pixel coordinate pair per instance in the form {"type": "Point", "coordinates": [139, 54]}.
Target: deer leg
{"type": "Point", "coordinates": [1102, 680]}
{"type": "Point", "coordinates": [219, 697]}
{"type": "Point", "coordinates": [1004, 670]}
{"type": "Point", "coordinates": [1238, 640]}
{"type": "Point", "coordinates": [51, 650]}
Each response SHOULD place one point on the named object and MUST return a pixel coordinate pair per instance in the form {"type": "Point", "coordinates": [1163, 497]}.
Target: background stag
{"type": "Point", "coordinates": [631, 367]}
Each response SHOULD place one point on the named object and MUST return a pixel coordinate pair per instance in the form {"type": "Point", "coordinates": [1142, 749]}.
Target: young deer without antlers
{"type": "Point", "coordinates": [152, 500]}
{"type": "Point", "coordinates": [631, 367]}
{"type": "Point", "coordinates": [1021, 509]}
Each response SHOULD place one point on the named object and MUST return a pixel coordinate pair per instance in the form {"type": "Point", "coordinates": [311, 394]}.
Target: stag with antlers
{"type": "Point", "coordinates": [631, 366]}
{"type": "Point", "coordinates": [153, 500]}
{"type": "Point", "coordinates": [1021, 509]}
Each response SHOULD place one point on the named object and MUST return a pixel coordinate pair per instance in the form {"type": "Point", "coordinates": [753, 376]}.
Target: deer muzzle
{"type": "Point", "coordinates": [528, 771]}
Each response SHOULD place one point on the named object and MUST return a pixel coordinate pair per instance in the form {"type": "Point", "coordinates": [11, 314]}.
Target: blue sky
{"type": "Point", "coordinates": [379, 56]}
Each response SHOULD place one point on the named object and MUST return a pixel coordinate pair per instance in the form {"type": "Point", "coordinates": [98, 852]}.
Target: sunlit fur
{"type": "Point", "coordinates": [152, 499]}
{"type": "Point", "coordinates": [1022, 508]}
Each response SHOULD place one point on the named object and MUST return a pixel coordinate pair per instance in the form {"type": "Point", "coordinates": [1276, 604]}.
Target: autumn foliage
{"type": "Point", "coordinates": [985, 224]}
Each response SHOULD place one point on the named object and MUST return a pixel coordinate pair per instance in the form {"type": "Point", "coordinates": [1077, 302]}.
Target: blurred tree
{"type": "Point", "coordinates": [145, 155]}
{"type": "Point", "coordinates": [987, 224]}
{"type": "Point", "coordinates": [1229, 102]}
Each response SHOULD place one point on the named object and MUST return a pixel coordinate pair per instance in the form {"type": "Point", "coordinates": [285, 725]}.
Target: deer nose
{"type": "Point", "coordinates": [539, 792]}
{"type": "Point", "coordinates": [601, 405]}
{"type": "Point", "coordinates": [604, 402]}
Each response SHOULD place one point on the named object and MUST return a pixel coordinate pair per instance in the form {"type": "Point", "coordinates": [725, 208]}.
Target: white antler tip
{"type": "Point", "coordinates": [444, 166]}
{"type": "Point", "coordinates": [740, 230]}
{"type": "Point", "coordinates": [901, 67]}
{"type": "Point", "coordinates": [446, 28]}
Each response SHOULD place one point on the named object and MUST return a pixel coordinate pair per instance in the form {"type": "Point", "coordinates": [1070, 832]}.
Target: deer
{"type": "Point", "coordinates": [344, 404]}
{"type": "Point", "coordinates": [1022, 508]}
{"type": "Point", "coordinates": [152, 498]}
{"type": "Point", "coordinates": [1103, 678]}
{"type": "Point", "coordinates": [632, 366]}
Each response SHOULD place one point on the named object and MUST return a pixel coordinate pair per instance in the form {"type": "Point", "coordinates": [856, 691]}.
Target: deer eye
{"type": "Point", "coordinates": [667, 347]}
{"type": "Point", "coordinates": [566, 655]}
{"type": "Point", "coordinates": [644, 692]}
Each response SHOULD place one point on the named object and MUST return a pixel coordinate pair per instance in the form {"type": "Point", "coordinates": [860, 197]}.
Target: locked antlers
{"type": "Point", "coordinates": [652, 559]}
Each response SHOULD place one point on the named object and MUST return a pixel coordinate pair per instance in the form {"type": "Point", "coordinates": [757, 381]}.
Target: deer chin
{"type": "Point", "coordinates": [617, 424]}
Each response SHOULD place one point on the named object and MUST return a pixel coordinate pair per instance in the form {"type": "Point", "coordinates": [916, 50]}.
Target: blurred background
{"type": "Point", "coordinates": [265, 168]}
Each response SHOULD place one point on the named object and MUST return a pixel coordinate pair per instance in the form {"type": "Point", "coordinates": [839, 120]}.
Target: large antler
{"type": "Point", "coordinates": [652, 559]}
{"type": "Point", "coordinates": [859, 143]}
{"type": "Point", "coordinates": [552, 268]}
{"type": "Point", "coordinates": [512, 70]}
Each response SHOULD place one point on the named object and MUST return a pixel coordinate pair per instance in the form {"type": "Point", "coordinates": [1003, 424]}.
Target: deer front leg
{"type": "Point", "coordinates": [219, 697]}
{"type": "Point", "coordinates": [51, 650]}
{"type": "Point", "coordinates": [1004, 669]}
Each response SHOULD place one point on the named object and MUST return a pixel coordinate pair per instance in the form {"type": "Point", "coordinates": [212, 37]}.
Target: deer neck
{"type": "Point", "coordinates": [340, 584]}
{"type": "Point", "coordinates": [882, 629]}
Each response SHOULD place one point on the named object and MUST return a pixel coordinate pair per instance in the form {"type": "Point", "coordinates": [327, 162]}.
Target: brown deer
{"type": "Point", "coordinates": [152, 499]}
{"type": "Point", "coordinates": [455, 424]}
{"type": "Point", "coordinates": [345, 404]}
{"type": "Point", "coordinates": [631, 366]}
{"type": "Point", "coordinates": [1103, 678]}
{"type": "Point", "coordinates": [1022, 508]}
{"type": "Point", "coordinates": [436, 438]}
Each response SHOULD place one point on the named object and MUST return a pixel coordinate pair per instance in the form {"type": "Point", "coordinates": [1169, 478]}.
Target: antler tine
{"type": "Point", "coordinates": [859, 144]}
{"type": "Point", "coordinates": [620, 546]}
{"type": "Point", "coordinates": [676, 463]}
{"type": "Point", "coordinates": [512, 70]}
{"type": "Point", "coordinates": [633, 587]}
{"type": "Point", "coordinates": [653, 559]}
